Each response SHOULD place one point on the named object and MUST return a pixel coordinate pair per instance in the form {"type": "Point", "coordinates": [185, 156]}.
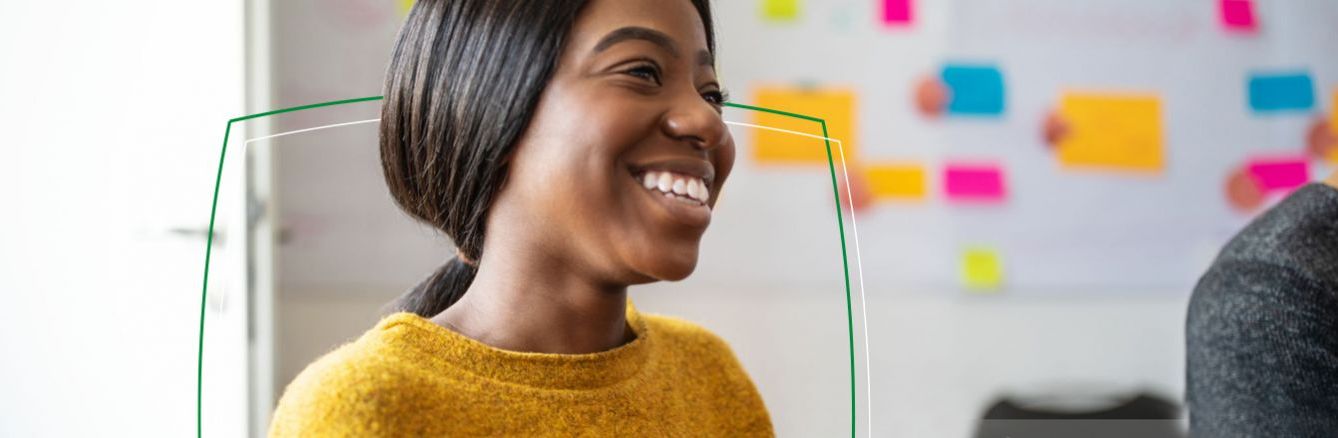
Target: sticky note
{"type": "Point", "coordinates": [780, 10]}
{"type": "Point", "coordinates": [1281, 92]}
{"type": "Point", "coordinates": [974, 183]}
{"type": "Point", "coordinates": [1275, 174]}
{"type": "Point", "coordinates": [896, 181]}
{"type": "Point", "coordinates": [897, 12]}
{"type": "Point", "coordinates": [1333, 125]}
{"type": "Point", "coordinates": [1113, 131]}
{"type": "Point", "coordinates": [981, 268]}
{"type": "Point", "coordinates": [976, 90]}
{"type": "Point", "coordinates": [773, 146]}
{"type": "Point", "coordinates": [1237, 15]}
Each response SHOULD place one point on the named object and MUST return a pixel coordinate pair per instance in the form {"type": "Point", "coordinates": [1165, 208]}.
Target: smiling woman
{"type": "Point", "coordinates": [570, 149]}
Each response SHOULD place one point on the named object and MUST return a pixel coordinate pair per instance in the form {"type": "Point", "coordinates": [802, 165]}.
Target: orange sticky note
{"type": "Point", "coordinates": [1333, 125]}
{"type": "Point", "coordinates": [981, 268]}
{"type": "Point", "coordinates": [1113, 131]}
{"type": "Point", "coordinates": [896, 181]}
{"type": "Point", "coordinates": [771, 145]}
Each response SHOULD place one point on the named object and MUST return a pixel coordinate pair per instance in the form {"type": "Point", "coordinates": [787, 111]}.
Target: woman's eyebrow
{"type": "Point", "coordinates": [653, 36]}
{"type": "Point", "coordinates": [637, 33]}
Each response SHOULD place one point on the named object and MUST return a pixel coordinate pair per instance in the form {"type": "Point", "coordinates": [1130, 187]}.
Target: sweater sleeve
{"type": "Point", "coordinates": [319, 402]}
{"type": "Point", "coordinates": [1262, 327]}
{"type": "Point", "coordinates": [731, 403]}
{"type": "Point", "coordinates": [346, 394]}
{"type": "Point", "coordinates": [749, 414]}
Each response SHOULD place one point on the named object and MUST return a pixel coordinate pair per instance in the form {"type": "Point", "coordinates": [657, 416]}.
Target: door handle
{"type": "Point", "coordinates": [197, 233]}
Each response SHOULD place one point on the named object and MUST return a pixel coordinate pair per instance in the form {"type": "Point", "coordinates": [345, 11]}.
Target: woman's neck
{"type": "Point", "coordinates": [521, 302]}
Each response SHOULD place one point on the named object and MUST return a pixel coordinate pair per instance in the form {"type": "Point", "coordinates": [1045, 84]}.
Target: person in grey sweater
{"type": "Point", "coordinates": [1262, 327]}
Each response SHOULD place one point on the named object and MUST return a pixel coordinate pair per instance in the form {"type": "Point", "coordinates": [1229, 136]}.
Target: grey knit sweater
{"type": "Point", "coordinates": [1262, 329]}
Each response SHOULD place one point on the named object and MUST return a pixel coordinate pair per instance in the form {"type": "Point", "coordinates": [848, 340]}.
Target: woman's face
{"type": "Point", "coordinates": [622, 162]}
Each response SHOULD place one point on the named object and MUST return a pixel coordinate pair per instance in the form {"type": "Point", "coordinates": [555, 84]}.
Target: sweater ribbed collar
{"type": "Point", "coordinates": [435, 346]}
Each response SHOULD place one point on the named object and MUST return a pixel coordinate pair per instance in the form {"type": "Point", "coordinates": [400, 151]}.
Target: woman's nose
{"type": "Point", "coordinates": [696, 121]}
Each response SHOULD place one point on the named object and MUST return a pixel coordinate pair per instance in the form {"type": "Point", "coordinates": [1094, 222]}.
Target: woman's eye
{"type": "Point", "coordinates": [716, 97]}
{"type": "Point", "coordinates": [646, 72]}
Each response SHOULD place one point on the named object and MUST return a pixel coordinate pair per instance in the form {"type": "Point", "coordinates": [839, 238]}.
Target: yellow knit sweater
{"type": "Point", "coordinates": [409, 376]}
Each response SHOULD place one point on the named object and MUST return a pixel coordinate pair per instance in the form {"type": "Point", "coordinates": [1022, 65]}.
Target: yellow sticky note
{"type": "Point", "coordinates": [981, 269]}
{"type": "Point", "coordinates": [896, 181]}
{"type": "Point", "coordinates": [803, 144]}
{"type": "Point", "coordinates": [1115, 131]}
{"type": "Point", "coordinates": [405, 5]}
{"type": "Point", "coordinates": [780, 10]}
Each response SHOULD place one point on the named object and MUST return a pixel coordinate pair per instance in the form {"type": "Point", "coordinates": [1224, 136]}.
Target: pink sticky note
{"type": "Point", "coordinates": [974, 183]}
{"type": "Point", "coordinates": [1280, 174]}
{"type": "Point", "coordinates": [1238, 14]}
{"type": "Point", "coordinates": [897, 12]}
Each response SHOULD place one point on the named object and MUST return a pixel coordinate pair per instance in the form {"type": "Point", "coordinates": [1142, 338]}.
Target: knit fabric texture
{"type": "Point", "coordinates": [408, 376]}
{"type": "Point", "coordinates": [1262, 329]}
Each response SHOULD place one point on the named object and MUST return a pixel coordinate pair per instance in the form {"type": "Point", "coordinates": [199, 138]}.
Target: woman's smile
{"type": "Point", "coordinates": [681, 188]}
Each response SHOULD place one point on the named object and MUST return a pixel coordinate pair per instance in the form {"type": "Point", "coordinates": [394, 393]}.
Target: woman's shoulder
{"type": "Point", "coordinates": [706, 359]}
{"type": "Point", "coordinates": [693, 347]}
{"type": "Point", "coordinates": [351, 390]}
{"type": "Point", "coordinates": [681, 332]}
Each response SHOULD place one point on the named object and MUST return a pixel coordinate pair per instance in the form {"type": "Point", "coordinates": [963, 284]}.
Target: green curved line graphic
{"type": "Point", "coordinates": [213, 209]}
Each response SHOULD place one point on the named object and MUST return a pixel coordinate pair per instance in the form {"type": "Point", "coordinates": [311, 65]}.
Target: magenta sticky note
{"type": "Point", "coordinates": [898, 12]}
{"type": "Point", "coordinates": [1238, 14]}
{"type": "Point", "coordinates": [974, 183]}
{"type": "Point", "coordinates": [1280, 174]}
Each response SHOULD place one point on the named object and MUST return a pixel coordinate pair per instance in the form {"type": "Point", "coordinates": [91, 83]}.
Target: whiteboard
{"type": "Point", "coordinates": [1061, 231]}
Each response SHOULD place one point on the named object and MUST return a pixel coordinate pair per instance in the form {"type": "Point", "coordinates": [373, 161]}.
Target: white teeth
{"type": "Point", "coordinates": [665, 183]}
{"type": "Point", "coordinates": [703, 193]}
{"type": "Point", "coordinates": [673, 185]}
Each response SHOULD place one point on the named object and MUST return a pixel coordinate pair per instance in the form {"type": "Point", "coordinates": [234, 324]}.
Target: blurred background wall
{"type": "Point", "coordinates": [1073, 274]}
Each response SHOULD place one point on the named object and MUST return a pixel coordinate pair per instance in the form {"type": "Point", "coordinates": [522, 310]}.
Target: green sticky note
{"type": "Point", "coordinates": [982, 269]}
{"type": "Point", "coordinates": [780, 10]}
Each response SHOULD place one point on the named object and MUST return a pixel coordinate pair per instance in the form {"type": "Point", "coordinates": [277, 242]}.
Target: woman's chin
{"type": "Point", "coordinates": [671, 270]}
{"type": "Point", "coordinates": [678, 274]}
{"type": "Point", "coordinates": [664, 260]}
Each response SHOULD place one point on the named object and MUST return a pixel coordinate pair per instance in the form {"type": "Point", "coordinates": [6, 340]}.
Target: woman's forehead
{"type": "Point", "coordinates": [676, 19]}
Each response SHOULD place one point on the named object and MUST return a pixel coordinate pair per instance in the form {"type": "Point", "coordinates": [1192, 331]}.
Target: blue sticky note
{"type": "Point", "coordinates": [1282, 92]}
{"type": "Point", "coordinates": [977, 90]}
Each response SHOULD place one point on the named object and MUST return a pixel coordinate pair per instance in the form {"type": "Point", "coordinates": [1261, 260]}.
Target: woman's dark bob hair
{"type": "Point", "coordinates": [463, 82]}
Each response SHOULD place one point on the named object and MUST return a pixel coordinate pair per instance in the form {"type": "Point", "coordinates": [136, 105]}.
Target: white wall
{"type": "Point", "coordinates": [113, 114]}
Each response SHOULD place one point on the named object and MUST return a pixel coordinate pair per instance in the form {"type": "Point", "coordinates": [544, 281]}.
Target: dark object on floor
{"type": "Point", "coordinates": [1142, 415]}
